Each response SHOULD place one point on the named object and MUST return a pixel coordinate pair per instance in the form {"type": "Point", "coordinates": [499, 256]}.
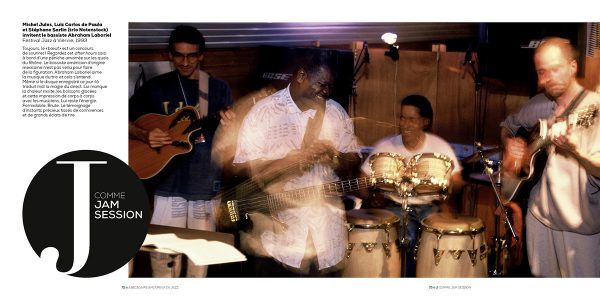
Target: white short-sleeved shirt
{"type": "Point", "coordinates": [432, 144]}
{"type": "Point", "coordinates": [274, 127]}
{"type": "Point", "coordinates": [566, 197]}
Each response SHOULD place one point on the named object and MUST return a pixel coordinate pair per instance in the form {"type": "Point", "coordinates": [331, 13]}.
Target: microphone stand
{"type": "Point", "coordinates": [499, 243]}
{"type": "Point", "coordinates": [477, 118]}
{"type": "Point", "coordinates": [478, 133]}
{"type": "Point", "coordinates": [365, 59]}
{"type": "Point", "coordinates": [356, 68]}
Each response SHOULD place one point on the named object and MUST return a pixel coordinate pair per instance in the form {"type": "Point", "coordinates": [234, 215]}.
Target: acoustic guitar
{"type": "Point", "coordinates": [146, 161]}
{"type": "Point", "coordinates": [517, 186]}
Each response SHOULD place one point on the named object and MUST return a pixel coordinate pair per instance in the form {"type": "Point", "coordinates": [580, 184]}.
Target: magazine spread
{"type": "Point", "coordinates": [84, 179]}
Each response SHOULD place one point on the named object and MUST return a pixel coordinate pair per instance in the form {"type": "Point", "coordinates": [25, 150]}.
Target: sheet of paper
{"type": "Point", "coordinates": [200, 251]}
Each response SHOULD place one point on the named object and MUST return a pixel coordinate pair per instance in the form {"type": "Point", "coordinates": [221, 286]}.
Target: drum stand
{"type": "Point", "coordinates": [405, 192]}
{"type": "Point", "coordinates": [500, 243]}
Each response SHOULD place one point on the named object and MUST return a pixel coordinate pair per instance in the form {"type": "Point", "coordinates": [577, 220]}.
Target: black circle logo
{"type": "Point", "coordinates": [91, 208]}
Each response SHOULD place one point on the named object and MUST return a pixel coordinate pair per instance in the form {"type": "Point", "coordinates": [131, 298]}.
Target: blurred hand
{"type": "Point", "coordinates": [227, 116]}
{"type": "Point", "coordinates": [321, 152]}
{"type": "Point", "coordinates": [158, 138]}
{"type": "Point", "coordinates": [515, 155]}
{"type": "Point", "coordinates": [560, 136]}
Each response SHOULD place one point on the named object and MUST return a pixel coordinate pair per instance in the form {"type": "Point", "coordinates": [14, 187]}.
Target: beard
{"type": "Point", "coordinates": [552, 95]}
{"type": "Point", "coordinates": [554, 91]}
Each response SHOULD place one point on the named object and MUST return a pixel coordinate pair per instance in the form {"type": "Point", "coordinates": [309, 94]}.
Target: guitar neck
{"type": "Point", "coordinates": [275, 202]}
{"type": "Point", "coordinates": [295, 197]}
{"type": "Point", "coordinates": [537, 141]}
{"type": "Point", "coordinates": [539, 138]}
{"type": "Point", "coordinates": [206, 123]}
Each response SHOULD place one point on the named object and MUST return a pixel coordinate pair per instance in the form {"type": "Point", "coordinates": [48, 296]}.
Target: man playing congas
{"type": "Point", "coordinates": [431, 168]}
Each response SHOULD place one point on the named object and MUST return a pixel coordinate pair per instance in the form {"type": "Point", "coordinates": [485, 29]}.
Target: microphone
{"type": "Point", "coordinates": [468, 56]}
{"type": "Point", "coordinates": [367, 58]}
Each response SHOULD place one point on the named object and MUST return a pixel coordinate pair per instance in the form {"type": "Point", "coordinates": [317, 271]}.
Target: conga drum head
{"type": "Point", "coordinates": [451, 246]}
{"type": "Point", "coordinates": [452, 224]}
{"type": "Point", "coordinates": [430, 172]}
{"type": "Point", "coordinates": [372, 249]}
{"type": "Point", "coordinates": [387, 170]}
{"type": "Point", "coordinates": [370, 218]}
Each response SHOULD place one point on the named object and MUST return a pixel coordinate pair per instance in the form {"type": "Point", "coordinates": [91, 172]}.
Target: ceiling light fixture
{"type": "Point", "coordinates": [390, 39]}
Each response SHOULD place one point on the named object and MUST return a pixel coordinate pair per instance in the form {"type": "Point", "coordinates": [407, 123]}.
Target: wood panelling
{"type": "Point", "coordinates": [384, 83]}
{"type": "Point", "coordinates": [493, 114]}
{"type": "Point", "coordinates": [373, 110]}
{"type": "Point", "coordinates": [592, 72]}
{"type": "Point", "coordinates": [466, 114]}
{"type": "Point", "coordinates": [441, 77]}
{"type": "Point", "coordinates": [417, 74]}
{"type": "Point", "coordinates": [456, 99]}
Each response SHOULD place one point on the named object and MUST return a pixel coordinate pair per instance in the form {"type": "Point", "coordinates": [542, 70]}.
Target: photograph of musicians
{"type": "Point", "coordinates": [563, 215]}
{"type": "Point", "coordinates": [185, 189]}
{"type": "Point", "coordinates": [297, 138]}
{"type": "Point", "coordinates": [414, 120]}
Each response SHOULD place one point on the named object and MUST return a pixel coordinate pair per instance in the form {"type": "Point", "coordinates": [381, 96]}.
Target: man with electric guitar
{"type": "Point", "coordinates": [298, 138]}
{"type": "Point", "coordinates": [165, 121]}
{"type": "Point", "coordinates": [563, 214]}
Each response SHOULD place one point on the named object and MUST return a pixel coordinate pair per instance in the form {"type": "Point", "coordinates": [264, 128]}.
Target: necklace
{"type": "Point", "coordinates": [182, 91]}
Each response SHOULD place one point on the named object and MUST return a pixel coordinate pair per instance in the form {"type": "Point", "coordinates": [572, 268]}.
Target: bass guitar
{"type": "Point", "coordinates": [517, 186]}
{"type": "Point", "coordinates": [146, 161]}
{"type": "Point", "coordinates": [270, 204]}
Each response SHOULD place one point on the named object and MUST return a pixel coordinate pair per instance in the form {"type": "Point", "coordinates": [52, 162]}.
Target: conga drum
{"type": "Point", "coordinates": [372, 249]}
{"type": "Point", "coordinates": [387, 170]}
{"type": "Point", "coordinates": [430, 172]}
{"type": "Point", "coordinates": [451, 246]}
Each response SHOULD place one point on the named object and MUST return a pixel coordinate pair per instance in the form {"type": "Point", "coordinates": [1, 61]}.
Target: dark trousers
{"type": "Point", "coordinates": [415, 215]}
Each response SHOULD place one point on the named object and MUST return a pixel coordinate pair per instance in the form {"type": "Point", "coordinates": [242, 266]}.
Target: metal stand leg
{"type": "Point", "coordinates": [496, 252]}
{"type": "Point", "coordinates": [404, 242]}
{"type": "Point", "coordinates": [500, 253]}
{"type": "Point", "coordinates": [500, 247]}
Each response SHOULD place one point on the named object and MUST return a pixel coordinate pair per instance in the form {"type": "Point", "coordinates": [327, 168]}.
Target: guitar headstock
{"type": "Point", "coordinates": [587, 116]}
{"type": "Point", "coordinates": [582, 118]}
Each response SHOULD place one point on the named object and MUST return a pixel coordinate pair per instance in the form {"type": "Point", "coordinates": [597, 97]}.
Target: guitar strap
{"type": "Point", "coordinates": [574, 103]}
{"type": "Point", "coordinates": [202, 105]}
{"type": "Point", "coordinates": [313, 128]}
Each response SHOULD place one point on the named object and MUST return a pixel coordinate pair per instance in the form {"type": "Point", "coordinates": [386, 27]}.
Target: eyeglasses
{"type": "Point", "coordinates": [192, 57]}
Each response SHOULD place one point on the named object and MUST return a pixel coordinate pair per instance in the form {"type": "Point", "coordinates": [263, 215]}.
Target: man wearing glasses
{"type": "Point", "coordinates": [185, 188]}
